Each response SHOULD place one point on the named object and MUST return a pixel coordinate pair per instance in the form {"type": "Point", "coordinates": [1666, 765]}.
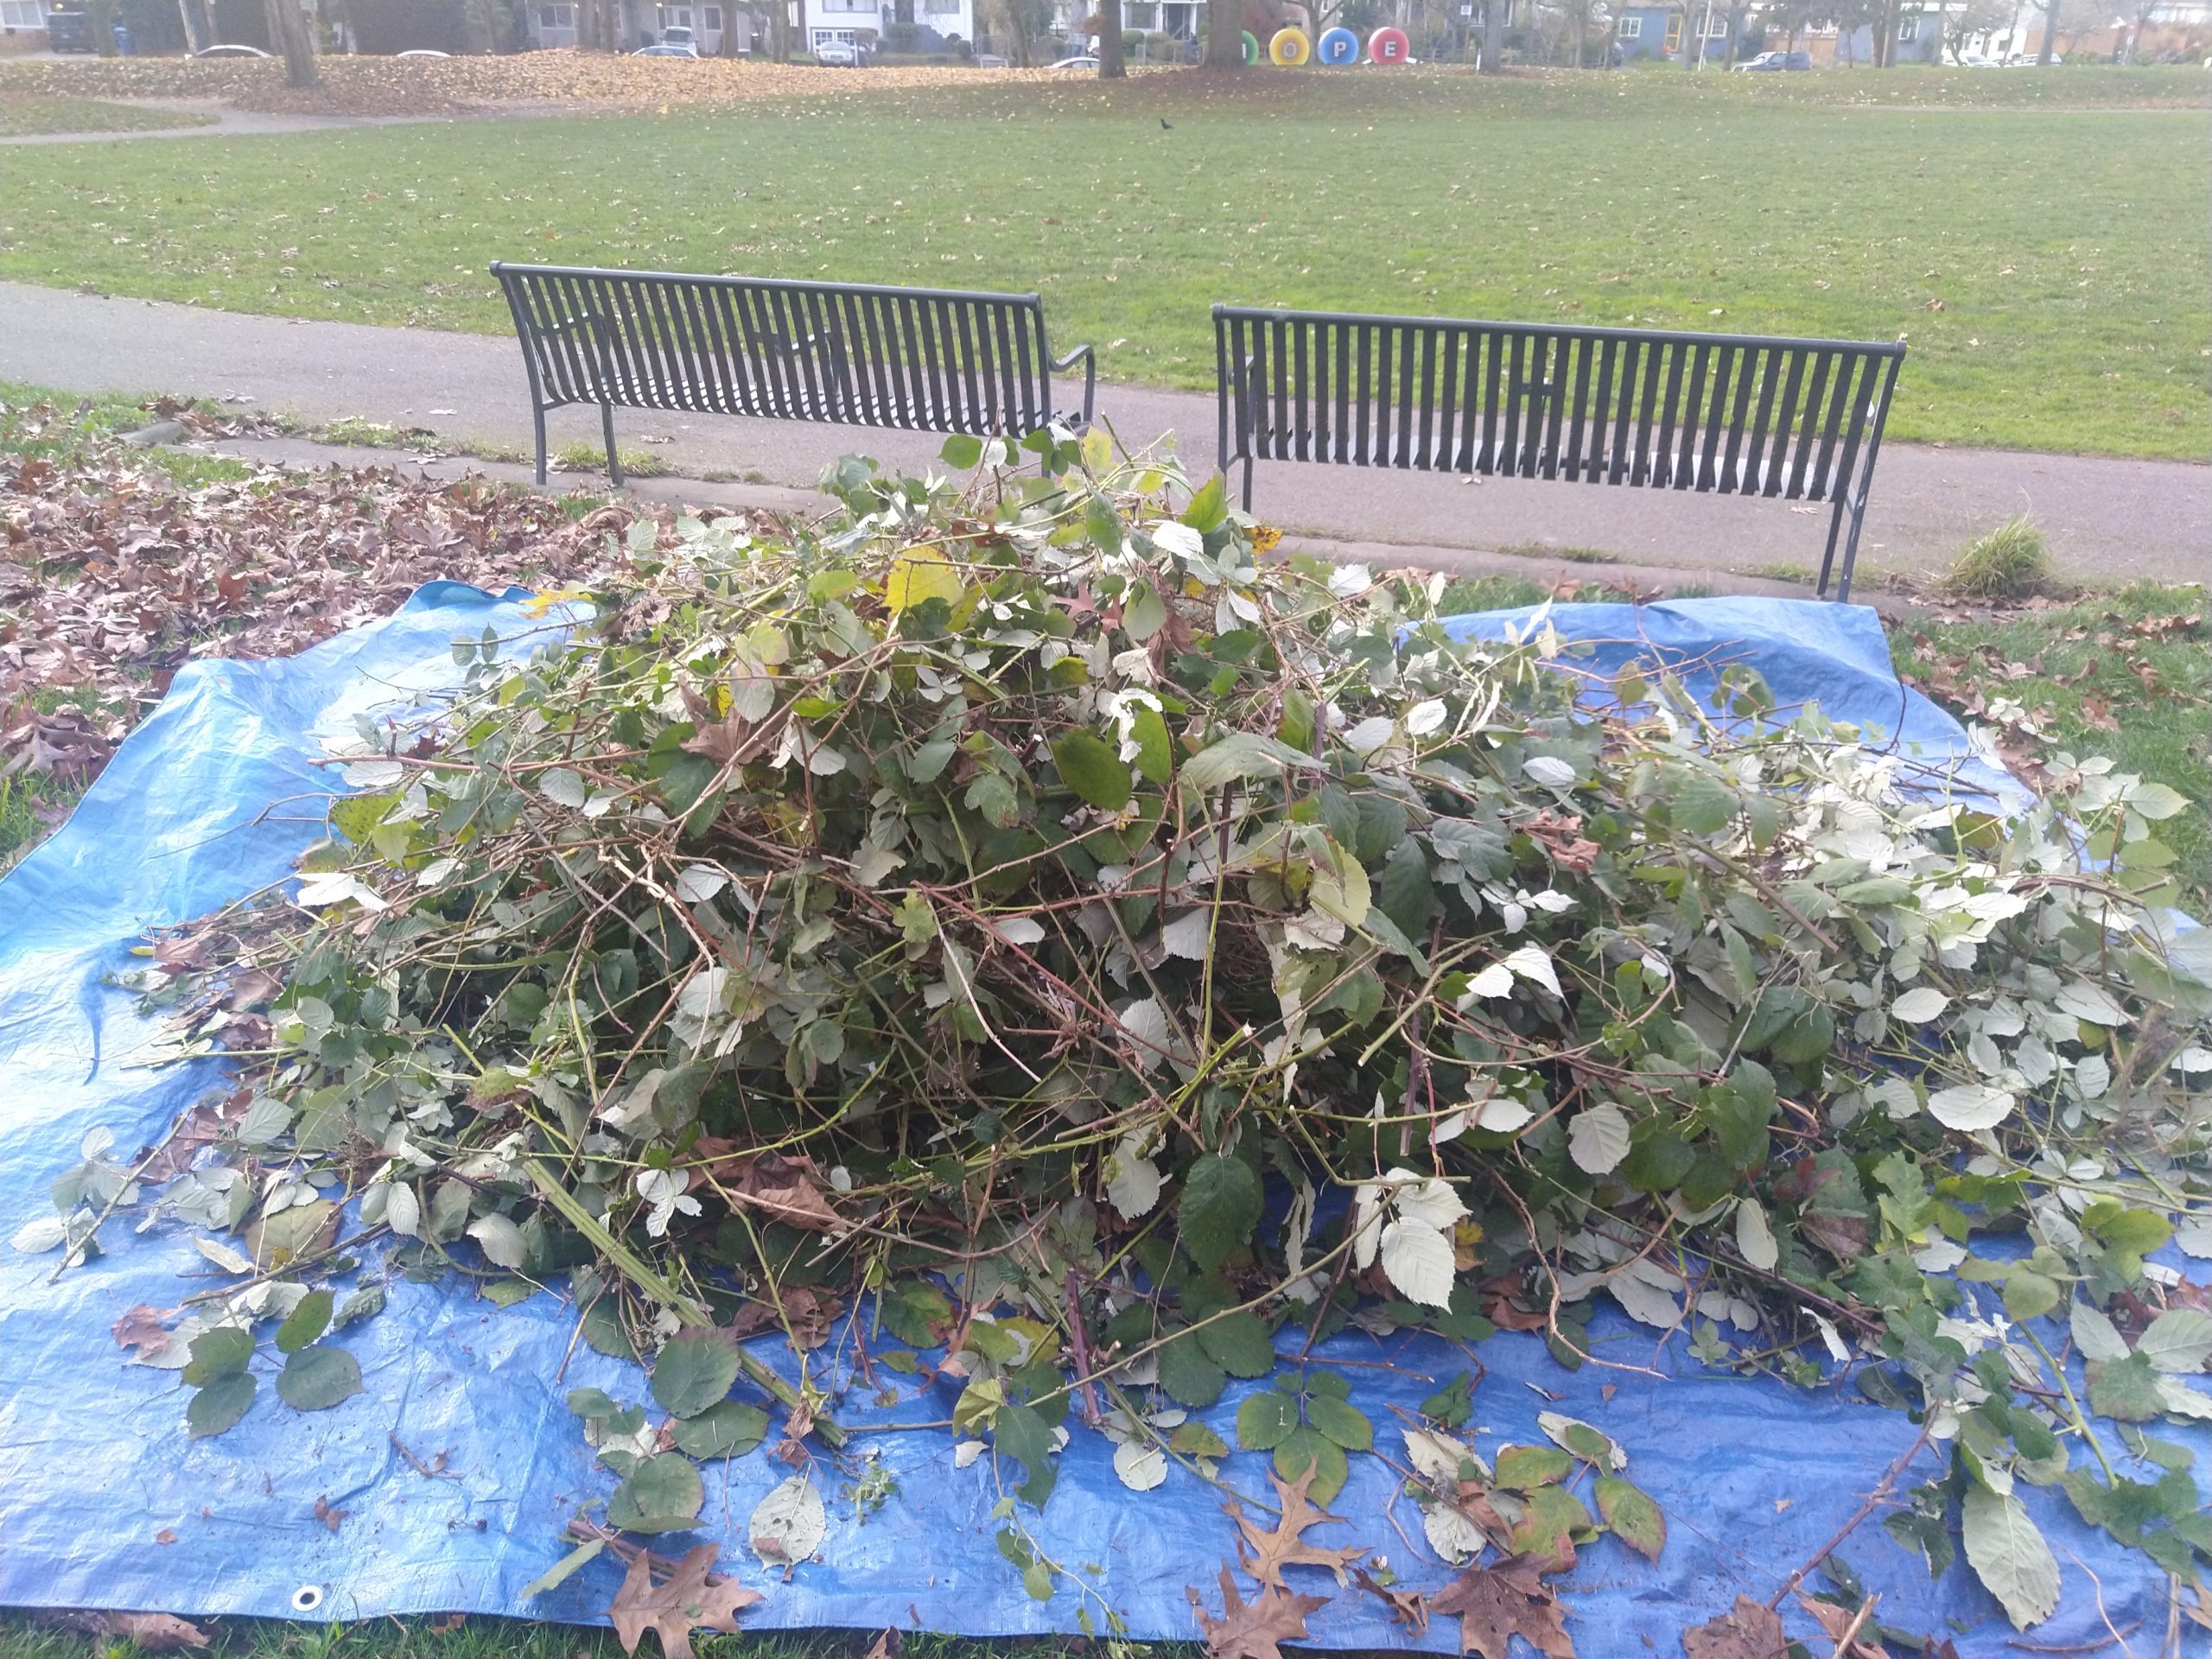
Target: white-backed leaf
{"type": "Point", "coordinates": [1138, 1467]}
{"type": "Point", "coordinates": [1755, 1237]}
{"type": "Point", "coordinates": [1919, 1005]}
{"type": "Point", "coordinates": [501, 1240]}
{"type": "Point", "coordinates": [1530, 963]}
{"type": "Point", "coordinates": [2179, 1341]}
{"type": "Point", "coordinates": [2094, 1335]}
{"type": "Point", "coordinates": [1597, 1138]}
{"type": "Point", "coordinates": [1970, 1106]}
{"type": "Point", "coordinates": [1417, 1259]}
{"type": "Point", "coordinates": [2009, 1555]}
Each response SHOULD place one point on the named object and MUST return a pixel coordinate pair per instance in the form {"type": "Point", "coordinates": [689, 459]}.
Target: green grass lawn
{"type": "Point", "coordinates": [23, 115]}
{"type": "Point", "coordinates": [2037, 236]}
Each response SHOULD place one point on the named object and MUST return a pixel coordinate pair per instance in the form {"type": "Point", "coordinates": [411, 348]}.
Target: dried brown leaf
{"type": "Point", "coordinates": [1746, 1632]}
{"type": "Point", "coordinates": [1494, 1604]}
{"type": "Point", "coordinates": [694, 1598]}
{"type": "Point", "coordinates": [1256, 1630]}
{"type": "Point", "coordinates": [1264, 1555]}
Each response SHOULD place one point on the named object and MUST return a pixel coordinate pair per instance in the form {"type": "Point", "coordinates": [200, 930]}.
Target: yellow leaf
{"type": "Point", "coordinates": [1265, 538]}
{"type": "Point", "coordinates": [538, 604]}
{"type": "Point", "coordinates": [920, 574]}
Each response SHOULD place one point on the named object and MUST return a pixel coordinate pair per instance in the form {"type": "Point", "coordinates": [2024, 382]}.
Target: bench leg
{"type": "Point", "coordinates": [1827, 558]}
{"type": "Point", "coordinates": [1857, 510]}
{"type": "Point", "coordinates": [1248, 481]}
{"type": "Point", "coordinates": [538, 419]}
{"type": "Point", "coordinates": [613, 461]}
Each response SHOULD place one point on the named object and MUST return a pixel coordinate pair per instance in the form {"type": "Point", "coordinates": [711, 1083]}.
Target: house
{"type": "Point", "coordinates": [1669, 32]}
{"type": "Point", "coordinates": [639, 22]}
{"type": "Point", "coordinates": [888, 25]}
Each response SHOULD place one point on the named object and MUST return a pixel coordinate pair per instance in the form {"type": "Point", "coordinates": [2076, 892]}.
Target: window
{"type": "Point", "coordinates": [1675, 31]}
{"type": "Point", "coordinates": [556, 16]}
{"type": "Point", "coordinates": [1716, 29]}
{"type": "Point", "coordinates": [1629, 28]}
{"type": "Point", "coordinates": [713, 14]}
{"type": "Point", "coordinates": [1139, 14]}
{"type": "Point", "coordinates": [1909, 29]}
{"type": "Point", "coordinates": [23, 14]}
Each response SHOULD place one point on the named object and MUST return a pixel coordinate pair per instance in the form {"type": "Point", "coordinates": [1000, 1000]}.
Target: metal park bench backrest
{"type": "Point", "coordinates": [923, 359]}
{"type": "Point", "coordinates": [1734, 415]}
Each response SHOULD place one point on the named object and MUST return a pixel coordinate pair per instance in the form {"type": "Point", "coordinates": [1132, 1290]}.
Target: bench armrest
{"type": "Point", "coordinates": [1089, 359]}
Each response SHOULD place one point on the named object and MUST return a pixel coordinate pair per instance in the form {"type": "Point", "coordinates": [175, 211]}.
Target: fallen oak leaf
{"type": "Point", "coordinates": [1253, 1631]}
{"type": "Point", "coordinates": [1495, 1604]}
{"type": "Point", "coordinates": [687, 1602]}
{"type": "Point", "coordinates": [1747, 1630]}
{"type": "Point", "coordinates": [1271, 1552]}
{"type": "Point", "coordinates": [330, 1517]}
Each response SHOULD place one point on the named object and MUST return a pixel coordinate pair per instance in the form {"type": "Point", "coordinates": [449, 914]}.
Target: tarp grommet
{"type": "Point", "coordinates": [307, 1599]}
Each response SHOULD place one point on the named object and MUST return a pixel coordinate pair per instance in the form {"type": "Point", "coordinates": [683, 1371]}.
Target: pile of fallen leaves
{"type": "Point", "coordinates": [113, 575]}
{"type": "Point", "coordinates": [460, 86]}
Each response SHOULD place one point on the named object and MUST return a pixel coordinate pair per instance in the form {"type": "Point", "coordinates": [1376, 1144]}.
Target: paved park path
{"type": "Point", "coordinates": [2104, 518]}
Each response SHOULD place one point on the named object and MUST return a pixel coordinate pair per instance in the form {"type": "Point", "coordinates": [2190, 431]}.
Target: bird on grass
{"type": "Point", "coordinates": [1166, 125]}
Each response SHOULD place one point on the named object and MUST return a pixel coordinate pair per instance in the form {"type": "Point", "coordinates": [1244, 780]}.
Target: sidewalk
{"type": "Point", "coordinates": [2104, 518]}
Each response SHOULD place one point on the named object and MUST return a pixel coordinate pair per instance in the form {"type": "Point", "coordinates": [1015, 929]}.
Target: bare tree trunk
{"type": "Point", "coordinates": [287, 31]}
{"type": "Point", "coordinates": [104, 28]}
{"type": "Point", "coordinates": [1224, 34]}
{"type": "Point", "coordinates": [192, 40]}
{"type": "Point", "coordinates": [1109, 40]}
{"type": "Point", "coordinates": [2050, 9]}
{"type": "Point", "coordinates": [1494, 37]}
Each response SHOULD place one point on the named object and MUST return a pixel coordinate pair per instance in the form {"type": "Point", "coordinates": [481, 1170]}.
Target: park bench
{"type": "Point", "coordinates": [917, 359]}
{"type": "Point", "coordinates": [1723, 414]}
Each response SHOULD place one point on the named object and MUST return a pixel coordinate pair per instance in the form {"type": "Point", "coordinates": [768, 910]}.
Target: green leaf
{"type": "Point", "coordinates": [1090, 766]}
{"type": "Point", "coordinates": [1219, 1208]}
{"type": "Point", "coordinates": [2029, 1295]}
{"type": "Point", "coordinates": [1143, 612]}
{"type": "Point", "coordinates": [217, 1354]}
{"type": "Point", "coordinates": [564, 1569]}
{"type": "Point", "coordinates": [662, 1494]}
{"type": "Point", "coordinates": [1209, 505]}
{"type": "Point", "coordinates": [1155, 754]}
{"type": "Point", "coordinates": [218, 1404]}
{"type": "Point", "coordinates": [962, 453]}
{"type": "Point", "coordinates": [2009, 1555]}
{"type": "Point", "coordinates": [315, 1379]}
{"type": "Point", "coordinates": [1188, 1373]}
{"type": "Point", "coordinates": [1344, 1424]}
{"type": "Point", "coordinates": [592, 1403]}
{"type": "Point", "coordinates": [1265, 1421]}
{"type": "Point", "coordinates": [1452, 1404]}
{"type": "Point", "coordinates": [1924, 1533]}
{"type": "Point", "coordinates": [1524, 1468]}
{"type": "Point", "coordinates": [1308, 1448]}
{"type": "Point", "coordinates": [1633, 1516]}
{"type": "Point", "coordinates": [1405, 891]}
{"type": "Point", "coordinates": [2126, 1390]}
{"type": "Point", "coordinates": [729, 1429]}
{"type": "Point", "coordinates": [307, 1322]}
{"type": "Point", "coordinates": [1240, 1344]}
{"type": "Point", "coordinates": [1195, 1439]}
{"type": "Point", "coordinates": [695, 1371]}
{"type": "Point", "coordinates": [1037, 1580]}
{"type": "Point", "coordinates": [916, 1312]}
{"type": "Point", "coordinates": [1242, 756]}
{"type": "Point", "coordinates": [363, 1304]}
{"type": "Point", "coordinates": [1703, 805]}
{"type": "Point", "coordinates": [1022, 1434]}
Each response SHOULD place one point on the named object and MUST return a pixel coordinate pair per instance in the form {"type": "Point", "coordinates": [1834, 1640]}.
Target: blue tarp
{"type": "Point", "coordinates": [104, 1503]}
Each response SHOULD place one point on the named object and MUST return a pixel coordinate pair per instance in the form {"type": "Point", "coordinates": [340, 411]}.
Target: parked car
{"type": "Point", "coordinates": [228, 51]}
{"type": "Point", "coordinates": [665, 51]}
{"type": "Point", "coordinates": [1085, 62]}
{"type": "Point", "coordinates": [69, 31]}
{"type": "Point", "coordinates": [989, 61]}
{"type": "Point", "coordinates": [838, 54]}
{"type": "Point", "coordinates": [421, 52]}
{"type": "Point", "coordinates": [679, 35]}
{"type": "Point", "coordinates": [1777, 60]}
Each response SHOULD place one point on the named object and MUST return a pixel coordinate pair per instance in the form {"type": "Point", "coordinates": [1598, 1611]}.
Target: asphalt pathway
{"type": "Point", "coordinates": [2105, 518]}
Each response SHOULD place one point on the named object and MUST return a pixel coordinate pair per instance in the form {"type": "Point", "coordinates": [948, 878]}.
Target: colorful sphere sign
{"type": "Point", "coordinates": [1289, 47]}
{"type": "Point", "coordinates": [1251, 47]}
{"type": "Point", "coordinates": [1338, 46]}
{"type": "Point", "coordinates": [1389, 46]}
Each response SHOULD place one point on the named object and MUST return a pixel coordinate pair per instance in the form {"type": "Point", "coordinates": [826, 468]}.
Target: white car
{"type": "Point", "coordinates": [230, 52]}
{"type": "Point", "coordinates": [421, 52]}
{"type": "Point", "coordinates": [840, 54]}
{"type": "Point", "coordinates": [1076, 63]}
